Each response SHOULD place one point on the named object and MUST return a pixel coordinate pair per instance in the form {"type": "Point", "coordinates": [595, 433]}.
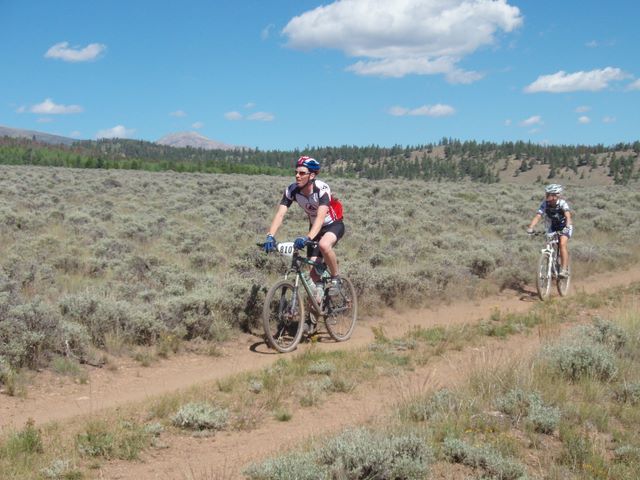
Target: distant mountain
{"type": "Point", "coordinates": [195, 140]}
{"type": "Point", "coordinates": [37, 136]}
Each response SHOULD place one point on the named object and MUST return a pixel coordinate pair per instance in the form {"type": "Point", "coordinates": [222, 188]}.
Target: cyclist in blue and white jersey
{"type": "Point", "coordinates": [557, 214]}
{"type": "Point", "coordinates": [324, 212]}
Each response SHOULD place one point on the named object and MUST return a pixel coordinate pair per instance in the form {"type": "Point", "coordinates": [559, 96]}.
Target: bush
{"type": "Point", "coordinates": [364, 454]}
{"type": "Point", "coordinates": [458, 451]}
{"type": "Point", "coordinates": [579, 359]}
{"type": "Point", "coordinates": [201, 416]}
{"type": "Point", "coordinates": [298, 466]}
{"type": "Point", "coordinates": [443, 402]}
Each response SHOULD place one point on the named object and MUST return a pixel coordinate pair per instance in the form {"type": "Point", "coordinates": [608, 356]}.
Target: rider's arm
{"type": "Point", "coordinates": [567, 215]}
{"type": "Point", "coordinates": [323, 210]}
{"type": "Point", "coordinates": [277, 219]}
{"type": "Point", "coordinates": [535, 221]}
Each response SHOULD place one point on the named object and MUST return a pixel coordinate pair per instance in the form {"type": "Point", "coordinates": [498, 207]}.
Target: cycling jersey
{"type": "Point", "coordinates": [321, 195]}
{"type": "Point", "coordinates": [554, 215]}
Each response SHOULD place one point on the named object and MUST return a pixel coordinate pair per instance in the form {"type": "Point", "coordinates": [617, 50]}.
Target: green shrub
{"type": "Point", "coordinates": [24, 442]}
{"type": "Point", "coordinates": [298, 466]}
{"type": "Point", "coordinates": [365, 454]}
{"type": "Point", "coordinates": [578, 359]}
{"type": "Point", "coordinates": [443, 402]}
{"type": "Point", "coordinates": [627, 393]}
{"type": "Point", "coordinates": [495, 465]}
{"type": "Point", "coordinates": [201, 416]}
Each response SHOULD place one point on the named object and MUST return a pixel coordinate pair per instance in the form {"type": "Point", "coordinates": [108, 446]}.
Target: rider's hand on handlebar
{"type": "Point", "coordinates": [530, 231]}
{"type": "Point", "coordinates": [270, 244]}
{"type": "Point", "coordinates": [300, 242]}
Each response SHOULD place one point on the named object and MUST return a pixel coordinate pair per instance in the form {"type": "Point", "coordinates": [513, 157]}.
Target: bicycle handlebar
{"type": "Point", "coordinates": [310, 242]}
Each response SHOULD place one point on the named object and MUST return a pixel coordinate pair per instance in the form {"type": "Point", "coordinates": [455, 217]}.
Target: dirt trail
{"type": "Point", "coordinates": [52, 398]}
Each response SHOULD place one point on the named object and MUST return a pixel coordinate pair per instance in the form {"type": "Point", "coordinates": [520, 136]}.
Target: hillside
{"type": "Point", "coordinates": [449, 159]}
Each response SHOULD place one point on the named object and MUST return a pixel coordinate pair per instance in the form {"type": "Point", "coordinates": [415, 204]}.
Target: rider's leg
{"type": "Point", "coordinates": [564, 252]}
{"type": "Point", "coordinates": [326, 244]}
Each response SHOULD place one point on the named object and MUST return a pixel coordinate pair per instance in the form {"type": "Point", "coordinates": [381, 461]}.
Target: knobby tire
{"type": "Point", "coordinates": [342, 311]}
{"type": "Point", "coordinates": [563, 283]}
{"type": "Point", "coordinates": [543, 279]}
{"type": "Point", "coordinates": [283, 324]}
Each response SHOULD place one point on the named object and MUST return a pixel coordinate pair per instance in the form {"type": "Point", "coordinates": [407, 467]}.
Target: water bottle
{"type": "Point", "coordinates": [319, 293]}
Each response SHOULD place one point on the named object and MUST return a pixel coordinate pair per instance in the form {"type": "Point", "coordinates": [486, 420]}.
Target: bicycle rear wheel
{"type": "Point", "coordinates": [341, 311]}
{"type": "Point", "coordinates": [563, 283]}
{"type": "Point", "coordinates": [283, 317]}
{"type": "Point", "coordinates": [543, 280]}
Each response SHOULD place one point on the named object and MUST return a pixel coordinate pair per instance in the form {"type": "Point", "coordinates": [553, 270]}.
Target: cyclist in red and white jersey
{"type": "Point", "coordinates": [325, 216]}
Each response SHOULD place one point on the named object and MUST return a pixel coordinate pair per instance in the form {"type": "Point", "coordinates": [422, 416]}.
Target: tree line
{"type": "Point", "coordinates": [448, 159]}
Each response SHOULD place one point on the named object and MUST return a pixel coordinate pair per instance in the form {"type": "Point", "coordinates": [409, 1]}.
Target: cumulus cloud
{"type": "Point", "coordinates": [533, 120]}
{"type": "Point", "coordinates": [119, 131]}
{"type": "Point", "coordinates": [62, 51]}
{"type": "Point", "coordinates": [608, 119]}
{"type": "Point", "coordinates": [233, 115]}
{"type": "Point", "coordinates": [405, 36]}
{"type": "Point", "coordinates": [634, 85]}
{"type": "Point", "coordinates": [197, 125]}
{"type": "Point", "coordinates": [582, 109]}
{"type": "Point", "coordinates": [178, 113]}
{"type": "Point", "coordinates": [438, 110]}
{"type": "Point", "coordinates": [261, 117]}
{"type": "Point", "coordinates": [48, 107]}
{"type": "Point", "coordinates": [562, 81]}
{"type": "Point", "coordinates": [583, 119]}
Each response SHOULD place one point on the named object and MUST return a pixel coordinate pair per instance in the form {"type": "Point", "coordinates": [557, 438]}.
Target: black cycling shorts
{"type": "Point", "coordinates": [337, 228]}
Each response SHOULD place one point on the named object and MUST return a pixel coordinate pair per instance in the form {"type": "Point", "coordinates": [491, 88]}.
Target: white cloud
{"type": "Point", "coordinates": [562, 81]}
{"type": "Point", "coordinates": [261, 117]}
{"type": "Point", "coordinates": [45, 120]}
{"type": "Point", "coordinates": [119, 131]}
{"type": "Point", "coordinates": [249, 105]}
{"type": "Point", "coordinates": [437, 110]}
{"type": "Point", "coordinates": [48, 107]}
{"type": "Point", "coordinates": [178, 113]}
{"type": "Point", "coordinates": [197, 125]}
{"type": "Point", "coordinates": [405, 36]}
{"type": "Point", "coordinates": [583, 119]}
{"type": "Point", "coordinates": [582, 109]}
{"type": "Point", "coordinates": [62, 51]}
{"type": "Point", "coordinates": [233, 116]}
{"type": "Point", "coordinates": [507, 122]}
{"type": "Point", "coordinates": [534, 120]}
{"type": "Point", "coordinates": [634, 85]}
{"type": "Point", "coordinates": [608, 119]}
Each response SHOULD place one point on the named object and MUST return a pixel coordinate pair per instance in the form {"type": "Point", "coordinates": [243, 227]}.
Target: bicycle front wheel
{"type": "Point", "coordinates": [283, 317]}
{"type": "Point", "coordinates": [341, 311]}
{"type": "Point", "coordinates": [563, 283]}
{"type": "Point", "coordinates": [543, 280]}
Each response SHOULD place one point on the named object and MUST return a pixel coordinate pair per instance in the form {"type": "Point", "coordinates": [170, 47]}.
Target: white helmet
{"type": "Point", "coordinates": [554, 188]}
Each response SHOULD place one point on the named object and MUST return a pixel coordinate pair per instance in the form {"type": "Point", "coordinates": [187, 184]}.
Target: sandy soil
{"type": "Point", "coordinates": [223, 456]}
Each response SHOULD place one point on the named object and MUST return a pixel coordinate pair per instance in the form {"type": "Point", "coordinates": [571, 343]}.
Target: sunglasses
{"type": "Point", "coordinates": [302, 174]}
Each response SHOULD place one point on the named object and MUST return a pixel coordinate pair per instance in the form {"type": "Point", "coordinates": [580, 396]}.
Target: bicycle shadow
{"type": "Point", "coordinates": [261, 347]}
{"type": "Point", "coordinates": [526, 294]}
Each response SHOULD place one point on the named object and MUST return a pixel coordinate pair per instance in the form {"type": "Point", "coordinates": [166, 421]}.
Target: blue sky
{"type": "Point", "coordinates": [284, 74]}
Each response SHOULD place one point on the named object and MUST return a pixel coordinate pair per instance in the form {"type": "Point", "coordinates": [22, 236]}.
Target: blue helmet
{"type": "Point", "coordinates": [311, 163]}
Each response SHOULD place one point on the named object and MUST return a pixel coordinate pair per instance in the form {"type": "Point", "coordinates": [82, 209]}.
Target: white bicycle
{"type": "Point", "coordinates": [549, 268]}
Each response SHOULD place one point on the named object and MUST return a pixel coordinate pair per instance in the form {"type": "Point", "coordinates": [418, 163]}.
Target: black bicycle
{"type": "Point", "coordinates": [284, 314]}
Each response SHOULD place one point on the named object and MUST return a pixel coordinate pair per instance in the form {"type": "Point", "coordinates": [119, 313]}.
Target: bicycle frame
{"type": "Point", "coordinates": [297, 261]}
{"type": "Point", "coordinates": [551, 249]}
